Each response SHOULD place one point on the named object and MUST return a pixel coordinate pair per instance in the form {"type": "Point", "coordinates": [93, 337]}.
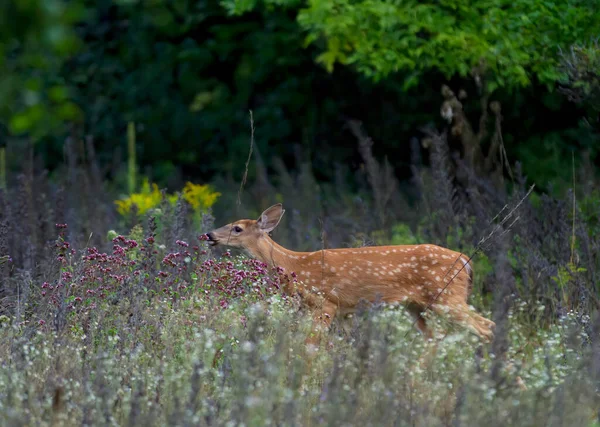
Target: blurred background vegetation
{"type": "Point", "coordinates": [186, 73]}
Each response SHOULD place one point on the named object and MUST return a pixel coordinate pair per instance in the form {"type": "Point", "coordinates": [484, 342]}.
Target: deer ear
{"type": "Point", "coordinates": [269, 219]}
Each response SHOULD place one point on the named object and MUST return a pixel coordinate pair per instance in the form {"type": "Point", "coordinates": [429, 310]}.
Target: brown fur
{"type": "Point", "coordinates": [333, 281]}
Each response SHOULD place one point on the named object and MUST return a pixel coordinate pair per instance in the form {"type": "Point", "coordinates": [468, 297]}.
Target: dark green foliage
{"type": "Point", "coordinates": [581, 64]}
{"type": "Point", "coordinates": [187, 72]}
{"type": "Point", "coordinates": [510, 44]}
{"type": "Point", "coordinates": [36, 36]}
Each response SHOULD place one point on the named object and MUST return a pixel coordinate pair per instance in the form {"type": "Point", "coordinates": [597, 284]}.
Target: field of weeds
{"type": "Point", "coordinates": [134, 320]}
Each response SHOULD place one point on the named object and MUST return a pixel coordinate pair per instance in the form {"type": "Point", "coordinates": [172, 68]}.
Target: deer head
{"type": "Point", "coordinates": [246, 234]}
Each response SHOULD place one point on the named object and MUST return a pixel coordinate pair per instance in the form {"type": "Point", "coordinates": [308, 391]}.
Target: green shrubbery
{"type": "Point", "coordinates": [186, 73]}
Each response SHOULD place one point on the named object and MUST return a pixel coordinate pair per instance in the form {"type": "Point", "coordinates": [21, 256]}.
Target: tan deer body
{"type": "Point", "coordinates": [334, 281]}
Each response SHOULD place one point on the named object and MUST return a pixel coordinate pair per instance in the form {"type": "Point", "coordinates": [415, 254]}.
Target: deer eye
{"type": "Point", "coordinates": [237, 229]}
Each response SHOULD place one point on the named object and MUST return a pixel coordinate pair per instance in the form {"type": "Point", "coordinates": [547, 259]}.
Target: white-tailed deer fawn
{"type": "Point", "coordinates": [335, 280]}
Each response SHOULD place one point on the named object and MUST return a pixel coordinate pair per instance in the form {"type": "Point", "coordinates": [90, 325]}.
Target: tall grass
{"type": "Point", "coordinates": [148, 326]}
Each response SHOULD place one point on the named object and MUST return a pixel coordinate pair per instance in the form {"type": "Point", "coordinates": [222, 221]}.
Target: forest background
{"type": "Point", "coordinates": [186, 73]}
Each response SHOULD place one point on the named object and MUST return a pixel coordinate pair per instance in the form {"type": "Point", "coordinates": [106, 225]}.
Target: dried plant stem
{"type": "Point", "coordinates": [574, 203]}
{"type": "Point", "coordinates": [480, 246]}
{"type": "Point", "coordinates": [322, 249]}
{"type": "Point", "coordinates": [380, 176]}
{"type": "Point", "coordinates": [3, 168]}
{"type": "Point", "coordinates": [131, 159]}
{"type": "Point", "coordinates": [245, 177]}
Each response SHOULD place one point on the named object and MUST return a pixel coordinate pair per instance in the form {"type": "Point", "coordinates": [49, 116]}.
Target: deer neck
{"type": "Point", "coordinates": [273, 254]}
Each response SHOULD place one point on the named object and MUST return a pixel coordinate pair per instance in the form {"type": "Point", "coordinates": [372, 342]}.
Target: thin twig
{"type": "Point", "coordinates": [478, 248]}
{"type": "Point", "coordinates": [498, 214]}
{"type": "Point", "coordinates": [239, 196]}
{"type": "Point", "coordinates": [322, 250]}
{"type": "Point", "coordinates": [574, 202]}
{"type": "Point", "coordinates": [239, 201]}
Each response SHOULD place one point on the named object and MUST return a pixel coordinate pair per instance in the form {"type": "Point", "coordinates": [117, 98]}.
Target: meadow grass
{"type": "Point", "coordinates": [229, 350]}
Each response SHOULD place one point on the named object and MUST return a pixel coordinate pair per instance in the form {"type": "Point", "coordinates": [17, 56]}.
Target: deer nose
{"type": "Point", "coordinates": [211, 236]}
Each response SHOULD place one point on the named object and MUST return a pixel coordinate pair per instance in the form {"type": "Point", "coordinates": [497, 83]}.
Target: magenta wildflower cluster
{"type": "Point", "coordinates": [84, 283]}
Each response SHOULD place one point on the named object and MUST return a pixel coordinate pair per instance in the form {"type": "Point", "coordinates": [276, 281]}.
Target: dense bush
{"type": "Point", "coordinates": [187, 72]}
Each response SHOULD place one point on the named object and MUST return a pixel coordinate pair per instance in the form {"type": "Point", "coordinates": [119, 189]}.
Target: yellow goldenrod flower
{"type": "Point", "coordinates": [199, 196]}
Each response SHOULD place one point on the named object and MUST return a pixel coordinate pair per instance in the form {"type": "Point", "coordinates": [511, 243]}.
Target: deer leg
{"type": "Point", "coordinates": [427, 358]}
{"type": "Point", "coordinates": [486, 326]}
{"type": "Point", "coordinates": [417, 312]}
{"type": "Point", "coordinates": [322, 318]}
{"type": "Point", "coordinates": [482, 320]}
{"type": "Point", "coordinates": [461, 314]}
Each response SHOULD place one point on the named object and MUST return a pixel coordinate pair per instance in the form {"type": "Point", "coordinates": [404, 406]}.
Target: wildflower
{"type": "Point", "coordinates": [148, 198]}
{"type": "Point", "coordinates": [200, 197]}
{"type": "Point", "coordinates": [118, 250]}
